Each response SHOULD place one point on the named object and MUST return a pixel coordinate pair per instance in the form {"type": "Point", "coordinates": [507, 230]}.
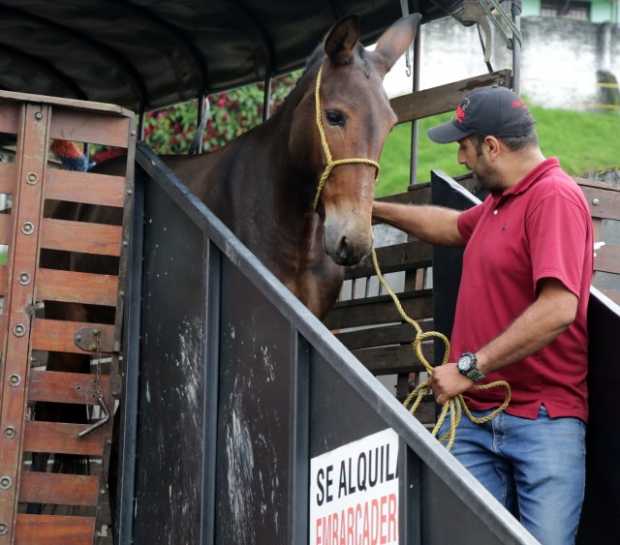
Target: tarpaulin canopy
{"type": "Point", "coordinates": [151, 53]}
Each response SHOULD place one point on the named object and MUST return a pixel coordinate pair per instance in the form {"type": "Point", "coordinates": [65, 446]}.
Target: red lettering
{"type": "Point", "coordinates": [392, 521]}
{"type": "Point", "coordinates": [343, 529]}
{"type": "Point", "coordinates": [350, 526]}
{"type": "Point", "coordinates": [383, 520]}
{"type": "Point", "coordinates": [319, 524]}
{"type": "Point", "coordinates": [366, 537]}
{"type": "Point", "coordinates": [374, 522]}
{"type": "Point", "coordinates": [358, 515]}
{"type": "Point", "coordinates": [334, 529]}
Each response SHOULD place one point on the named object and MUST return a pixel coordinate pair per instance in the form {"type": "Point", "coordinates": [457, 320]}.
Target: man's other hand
{"type": "Point", "coordinates": [447, 382]}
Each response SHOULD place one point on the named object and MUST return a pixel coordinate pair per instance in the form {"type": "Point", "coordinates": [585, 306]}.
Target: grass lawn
{"type": "Point", "coordinates": [583, 141]}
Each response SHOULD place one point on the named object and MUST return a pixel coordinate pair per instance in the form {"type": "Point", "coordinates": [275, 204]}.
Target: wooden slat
{"type": "Point", "coordinates": [4, 280]}
{"type": "Point", "coordinates": [8, 177]}
{"type": "Point", "coordinates": [391, 360]}
{"type": "Point", "coordinates": [608, 259]}
{"type": "Point", "coordinates": [54, 530]}
{"type": "Point", "coordinates": [60, 387]}
{"type": "Point", "coordinates": [6, 224]}
{"type": "Point", "coordinates": [77, 287]}
{"type": "Point", "coordinates": [443, 98]}
{"type": "Point", "coordinates": [90, 127]}
{"type": "Point", "coordinates": [378, 310]}
{"type": "Point", "coordinates": [76, 236]}
{"type": "Point", "coordinates": [85, 187]}
{"type": "Point", "coordinates": [9, 116]}
{"type": "Point", "coordinates": [58, 488]}
{"type": "Point", "coordinates": [603, 203]}
{"type": "Point", "coordinates": [381, 336]}
{"type": "Point", "coordinates": [399, 257]}
{"type": "Point", "coordinates": [58, 336]}
{"type": "Point", "coordinates": [61, 438]}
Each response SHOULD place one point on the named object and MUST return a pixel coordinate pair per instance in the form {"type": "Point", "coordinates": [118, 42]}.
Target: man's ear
{"type": "Point", "coordinates": [395, 40]}
{"type": "Point", "coordinates": [493, 145]}
{"type": "Point", "coordinates": [341, 40]}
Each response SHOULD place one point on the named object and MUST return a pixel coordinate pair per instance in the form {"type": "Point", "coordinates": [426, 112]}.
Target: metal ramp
{"type": "Point", "coordinates": [245, 421]}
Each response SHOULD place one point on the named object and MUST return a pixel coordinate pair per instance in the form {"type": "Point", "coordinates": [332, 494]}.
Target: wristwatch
{"type": "Point", "coordinates": [466, 365]}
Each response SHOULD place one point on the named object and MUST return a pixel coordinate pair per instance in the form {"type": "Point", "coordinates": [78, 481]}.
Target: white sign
{"type": "Point", "coordinates": [354, 493]}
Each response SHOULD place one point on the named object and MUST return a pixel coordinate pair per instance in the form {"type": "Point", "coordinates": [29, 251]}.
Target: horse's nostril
{"type": "Point", "coordinates": [343, 248]}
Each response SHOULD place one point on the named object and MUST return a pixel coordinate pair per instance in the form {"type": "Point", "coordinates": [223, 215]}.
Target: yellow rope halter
{"type": "Point", "coordinates": [455, 407]}
{"type": "Point", "coordinates": [329, 161]}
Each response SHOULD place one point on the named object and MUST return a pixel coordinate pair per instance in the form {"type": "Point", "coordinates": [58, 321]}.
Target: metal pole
{"type": "Point", "coordinates": [199, 125]}
{"type": "Point", "coordinates": [267, 97]}
{"type": "Point", "coordinates": [415, 86]}
{"type": "Point", "coordinates": [516, 50]}
{"type": "Point", "coordinates": [141, 114]}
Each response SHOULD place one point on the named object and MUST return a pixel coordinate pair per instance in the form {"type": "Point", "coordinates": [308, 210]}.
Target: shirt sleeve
{"type": "Point", "coordinates": [557, 233]}
{"type": "Point", "coordinates": [468, 220]}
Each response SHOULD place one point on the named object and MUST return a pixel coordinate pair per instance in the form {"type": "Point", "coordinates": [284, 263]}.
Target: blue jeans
{"type": "Point", "coordinates": [535, 468]}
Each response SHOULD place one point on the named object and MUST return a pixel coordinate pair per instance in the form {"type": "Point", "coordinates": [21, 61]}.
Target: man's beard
{"type": "Point", "coordinates": [489, 180]}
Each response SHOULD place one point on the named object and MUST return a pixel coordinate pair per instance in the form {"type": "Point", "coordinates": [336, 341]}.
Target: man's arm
{"type": "Point", "coordinates": [432, 224]}
{"type": "Point", "coordinates": [553, 311]}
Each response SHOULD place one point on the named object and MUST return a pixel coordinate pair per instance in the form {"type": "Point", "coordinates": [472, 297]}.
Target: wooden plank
{"type": "Point", "coordinates": [61, 387]}
{"type": "Point", "coordinates": [85, 187]}
{"type": "Point", "coordinates": [4, 280]}
{"type": "Point", "coordinates": [603, 203]}
{"type": "Point", "coordinates": [54, 530]}
{"type": "Point", "coordinates": [58, 488]}
{"type": "Point", "coordinates": [399, 257]}
{"type": "Point", "coordinates": [8, 177]}
{"type": "Point", "coordinates": [9, 117]}
{"type": "Point", "coordinates": [6, 225]}
{"type": "Point", "coordinates": [77, 287]}
{"type": "Point", "coordinates": [391, 360]}
{"type": "Point", "coordinates": [381, 336]}
{"type": "Point", "coordinates": [58, 336]}
{"type": "Point", "coordinates": [444, 98]}
{"type": "Point", "coordinates": [608, 259]}
{"type": "Point", "coordinates": [61, 438]}
{"type": "Point", "coordinates": [595, 183]}
{"type": "Point", "coordinates": [421, 193]}
{"type": "Point", "coordinates": [91, 127]}
{"type": "Point", "coordinates": [378, 310]}
{"type": "Point", "coordinates": [77, 236]}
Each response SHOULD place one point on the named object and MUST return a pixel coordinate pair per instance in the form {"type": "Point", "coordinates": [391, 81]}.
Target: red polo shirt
{"type": "Point", "coordinates": [539, 228]}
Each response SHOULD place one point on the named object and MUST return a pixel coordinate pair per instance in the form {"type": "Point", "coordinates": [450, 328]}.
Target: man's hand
{"type": "Point", "coordinates": [447, 382]}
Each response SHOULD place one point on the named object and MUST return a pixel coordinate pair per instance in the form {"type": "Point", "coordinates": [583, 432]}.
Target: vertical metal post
{"type": "Point", "coordinates": [267, 97]}
{"type": "Point", "coordinates": [516, 50]}
{"type": "Point", "coordinates": [415, 86]}
{"type": "Point", "coordinates": [141, 114]}
{"type": "Point", "coordinates": [199, 124]}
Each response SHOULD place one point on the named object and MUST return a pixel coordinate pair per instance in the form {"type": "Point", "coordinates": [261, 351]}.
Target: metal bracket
{"type": "Point", "coordinates": [88, 339]}
{"type": "Point", "coordinates": [101, 421]}
{"type": "Point", "coordinates": [483, 11]}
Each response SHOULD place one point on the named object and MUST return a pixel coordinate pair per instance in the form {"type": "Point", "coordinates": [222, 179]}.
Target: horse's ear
{"type": "Point", "coordinates": [341, 40]}
{"type": "Point", "coordinates": [395, 40]}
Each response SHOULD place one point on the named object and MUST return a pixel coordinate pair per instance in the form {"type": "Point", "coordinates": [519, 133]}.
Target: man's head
{"type": "Point", "coordinates": [494, 130]}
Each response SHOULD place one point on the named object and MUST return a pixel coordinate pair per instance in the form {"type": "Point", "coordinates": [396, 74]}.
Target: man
{"type": "Point", "coordinates": [520, 314]}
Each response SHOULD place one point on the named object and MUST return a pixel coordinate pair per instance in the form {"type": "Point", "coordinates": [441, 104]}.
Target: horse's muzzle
{"type": "Point", "coordinates": [346, 250]}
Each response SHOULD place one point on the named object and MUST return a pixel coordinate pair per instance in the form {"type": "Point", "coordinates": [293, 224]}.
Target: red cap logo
{"type": "Point", "coordinates": [460, 114]}
{"type": "Point", "coordinates": [518, 103]}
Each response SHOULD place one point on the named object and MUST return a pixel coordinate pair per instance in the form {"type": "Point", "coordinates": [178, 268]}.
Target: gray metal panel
{"type": "Point", "coordinates": [170, 443]}
{"type": "Point", "coordinates": [253, 467]}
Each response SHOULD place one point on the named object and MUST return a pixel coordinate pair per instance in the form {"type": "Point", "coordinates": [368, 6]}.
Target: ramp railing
{"type": "Point", "coordinates": [247, 422]}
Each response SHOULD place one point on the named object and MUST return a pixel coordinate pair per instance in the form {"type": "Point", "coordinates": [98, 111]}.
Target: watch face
{"type": "Point", "coordinates": [464, 364]}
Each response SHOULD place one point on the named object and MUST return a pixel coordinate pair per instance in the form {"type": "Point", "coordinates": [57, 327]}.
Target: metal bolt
{"type": "Point", "coordinates": [10, 432]}
{"type": "Point", "coordinates": [5, 482]}
{"type": "Point", "coordinates": [24, 279]}
{"type": "Point", "coordinates": [130, 192]}
{"type": "Point", "coordinates": [38, 116]}
{"type": "Point", "coordinates": [121, 293]}
{"type": "Point", "coordinates": [125, 243]}
{"type": "Point", "coordinates": [596, 201]}
{"type": "Point", "coordinates": [4, 529]}
{"type": "Point", "coordinates": [15, 379]}
{"type": "Point", "coordinates": [133, 132]}
{"type": "Point", "coordinates": [32, 178]}
{"type": "Point", "coordinates": [19, 330]}
{"type": "Point", "coordinates": [28, 228]}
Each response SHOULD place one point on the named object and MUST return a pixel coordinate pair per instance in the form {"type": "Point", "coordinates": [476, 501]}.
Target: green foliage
{"type": "Point", "coordinates": [232, 113]}
{"type": "Point", "coordinates": [583, 141]}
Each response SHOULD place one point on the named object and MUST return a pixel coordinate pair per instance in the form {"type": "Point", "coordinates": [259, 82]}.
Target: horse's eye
{"type": "Point", "coordinates": [336, 118]}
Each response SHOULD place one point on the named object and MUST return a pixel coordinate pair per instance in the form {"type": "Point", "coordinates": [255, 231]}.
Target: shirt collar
{"type": "Point", "coordinates": [532, 177]}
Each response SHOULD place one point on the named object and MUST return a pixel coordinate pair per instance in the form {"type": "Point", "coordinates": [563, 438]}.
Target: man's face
{"type": "Point", "coordinates": [475, 156]}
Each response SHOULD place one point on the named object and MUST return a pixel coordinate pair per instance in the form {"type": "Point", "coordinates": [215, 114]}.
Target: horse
{"type": "Point", "coordinates": [262, 184]}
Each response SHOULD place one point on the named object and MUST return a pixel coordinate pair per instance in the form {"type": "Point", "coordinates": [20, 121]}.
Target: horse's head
{"type": "Point", "coordinates": [356, 117]}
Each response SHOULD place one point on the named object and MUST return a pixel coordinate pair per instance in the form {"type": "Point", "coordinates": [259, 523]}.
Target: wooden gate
{"type": "Point", "coordinates": [42, 501]}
